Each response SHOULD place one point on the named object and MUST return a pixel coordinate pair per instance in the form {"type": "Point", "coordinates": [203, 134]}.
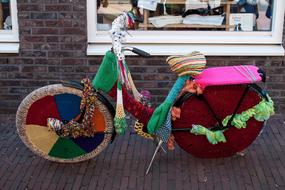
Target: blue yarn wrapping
{"type": "Point", "coordinates": [164, 131]}
{"type": "Point", "coordinates": [177, 87]}
{"type": "Point", "coordinates": [159, 115]}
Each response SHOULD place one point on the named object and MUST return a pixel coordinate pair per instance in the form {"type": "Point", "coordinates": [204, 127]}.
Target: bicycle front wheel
{"type": "Point", "coordinates": [63, 103]}
{"type": "Point", "coordinates": [223, 101]}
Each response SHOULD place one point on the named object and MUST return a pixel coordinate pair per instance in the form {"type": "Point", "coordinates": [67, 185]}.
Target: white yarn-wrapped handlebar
{"type": "Point", "coordinates": [118, 34]}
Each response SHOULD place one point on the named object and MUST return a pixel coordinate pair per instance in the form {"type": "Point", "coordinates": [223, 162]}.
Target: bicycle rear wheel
{"type": "Point", "coordinates": [223, 100]}
{"type": "Point", "coordinates": [63, 103]}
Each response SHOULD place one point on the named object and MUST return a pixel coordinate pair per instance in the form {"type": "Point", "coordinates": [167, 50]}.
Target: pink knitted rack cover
{"type": "Point", "coordinates": [242, 74]}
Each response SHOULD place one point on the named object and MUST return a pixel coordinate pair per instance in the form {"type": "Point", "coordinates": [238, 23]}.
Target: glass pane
{"type": "Point", "coordinates": [206, 15]}
{"type": "Point", "coordinates": [5, 16]}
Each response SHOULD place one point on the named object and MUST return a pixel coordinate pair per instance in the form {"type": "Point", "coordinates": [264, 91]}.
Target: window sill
{"type": "Point", "coordinates": [9, 47]}
{"type": "Point", "coordinates": [209, 50]}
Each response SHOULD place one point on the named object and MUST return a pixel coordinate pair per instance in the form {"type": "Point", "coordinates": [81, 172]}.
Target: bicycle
{"type": "Point", "coordinates": [213, 112]}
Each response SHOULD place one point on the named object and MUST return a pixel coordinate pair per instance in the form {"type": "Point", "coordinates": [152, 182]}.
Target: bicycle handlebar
{"type": "Point", "coordinates": [136, 51]}
{"type": "Point", "coordinates": [118, 35]}
{"type": "Point", "coordinates": [141, 52]}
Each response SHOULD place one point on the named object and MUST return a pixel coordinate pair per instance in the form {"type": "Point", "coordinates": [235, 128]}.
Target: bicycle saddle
{"type": "Point", "coordinates": [191, 64]}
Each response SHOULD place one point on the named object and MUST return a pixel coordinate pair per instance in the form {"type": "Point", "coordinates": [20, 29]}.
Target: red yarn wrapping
{"type": "Point", "coordinates": [223, 100]}
{"type": "Point", "coordinates": [138, 110]}
{"type": "Point", "coordinates": [47, 107]}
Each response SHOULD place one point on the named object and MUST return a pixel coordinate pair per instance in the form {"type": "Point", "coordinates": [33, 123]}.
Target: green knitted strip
{"type": "Point", "coordinates": [107, 73]}
{"type": "Point", "coordinates": [159, 115]}
{"type": "Point", "coordinates": [66, 148]}
{"type": "Point", "coordinates": [261, 112]}
{"type": "Point", "coordinates": [120, 125]}
{"type": "Point", "coordinates": [119, 85]}
{"type": "Point", "coordinates": [214, 137]}
{"type": "Point", "coordinates": [264, 110]}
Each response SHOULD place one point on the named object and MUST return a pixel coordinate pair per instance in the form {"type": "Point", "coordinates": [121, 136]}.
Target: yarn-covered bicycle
{"type": "Point", "coordinates": [213, 112]}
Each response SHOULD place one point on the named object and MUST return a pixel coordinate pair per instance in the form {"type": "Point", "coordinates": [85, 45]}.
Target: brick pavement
{"type": "Point", "coordinates": [122, 165]}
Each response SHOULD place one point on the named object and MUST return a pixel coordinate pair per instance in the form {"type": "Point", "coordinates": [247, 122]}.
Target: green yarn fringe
{"type": "Point", "coordinates": [120, 125]}
{"type": "Point", "coordinates": [214, 137]}
{"type": "Point", "coordinates": [261, 112]}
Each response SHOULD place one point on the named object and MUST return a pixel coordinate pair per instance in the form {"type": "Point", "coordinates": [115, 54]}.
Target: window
{"type": "Point", "coordinates": [9, 37]}
{"type": "Point", "coordinates": [215, 27]}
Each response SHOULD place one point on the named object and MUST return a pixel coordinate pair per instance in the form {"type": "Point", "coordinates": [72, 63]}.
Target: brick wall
{"type": "Point", "coordinates": [53, 41]}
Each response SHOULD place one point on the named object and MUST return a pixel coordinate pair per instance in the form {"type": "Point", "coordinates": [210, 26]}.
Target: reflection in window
{"type": "Point", "coordinates": [5, 17]}
{"type": "Point", "coordinates": [207, 15]}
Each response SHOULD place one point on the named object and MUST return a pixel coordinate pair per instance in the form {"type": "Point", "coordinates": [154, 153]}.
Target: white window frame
{"type": "Point", "coordinates": [214, 43]}
{"type": "Point", "coordinates": [9, 39]}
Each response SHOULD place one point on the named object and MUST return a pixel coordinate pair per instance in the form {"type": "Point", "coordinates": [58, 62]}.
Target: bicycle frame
{"type": "Point", "coordinates": [188, 89]}
{"type": "Point", "coordinates": [144, 113]}
{"type": "Point", "coordinates": [118, 34]}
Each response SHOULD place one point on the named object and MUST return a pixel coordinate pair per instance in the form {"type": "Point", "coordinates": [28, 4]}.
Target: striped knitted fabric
{"type": "Point", "coordinates": [191, 64]}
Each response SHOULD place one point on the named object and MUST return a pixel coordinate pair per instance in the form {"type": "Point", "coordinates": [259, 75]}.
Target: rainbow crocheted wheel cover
{"type": "Point", "coordinates": [223, 100]}
{"type": "Point", "coordinates": [60, 102]}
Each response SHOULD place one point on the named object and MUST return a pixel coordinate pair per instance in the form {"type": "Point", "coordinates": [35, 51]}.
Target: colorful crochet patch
{"type": "Point", "coordinates": [66, 148]}
{"type": "Point", "coordinates": [41, 137]}
{"type": "Point", "coordinates": [191, 64]}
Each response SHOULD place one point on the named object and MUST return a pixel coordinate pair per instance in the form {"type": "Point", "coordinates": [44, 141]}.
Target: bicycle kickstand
{"type": "Point", "coordinates": [154, 154]}
{"type": "Point", "coordinates": [155, 141]}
